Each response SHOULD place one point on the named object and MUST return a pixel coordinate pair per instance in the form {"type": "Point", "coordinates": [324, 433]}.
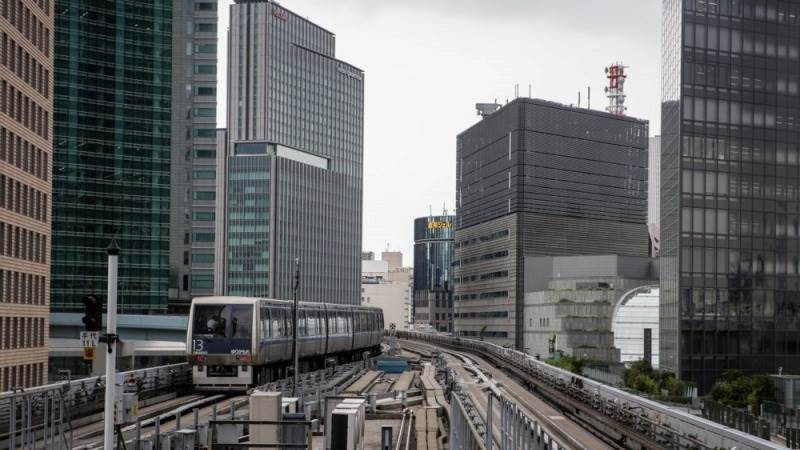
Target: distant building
{"type": "Point", "coordinates": [433, 271]}
{"type": "Point", "coordinates": [395, 259]}
{"type": "Point", "coordinates": [367, 256]}
{"type": "Point", "coordinates": [654, 194]}
{"type": "Point", "coordinates": [537, 178]}
{"type": "Point", "coordinates": [388, 289]}
{"type": "Point", "coordinates": [571, 301]}
{"type": "Point", "coordinates": [290, 163]}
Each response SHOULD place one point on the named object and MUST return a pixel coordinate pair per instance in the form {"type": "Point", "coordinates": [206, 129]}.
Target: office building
{"type": "Point", "coordinates": [433, 271]}
{"type": "Point", "coordinates": [26, 114]}
{"type": "Point", "coordinates": [290, 163]}
{"type": "Point", "coordinates": [654, 193]}
{"type": "Point", "coordinates": [730, 257]}
{"type": "Point", "coordinates": [367, 256]}
{"type": "Point", "coordinates": [389, 289]}
{"type": "Point", "coordinates": [193, 167]}
{"type": "Point", "coordinates": [573, 302]}
{"type": "Point", "coordinates": [537, 178]}
{"type": "Point", "coordinates": [111, 173]}
{"type": "Point", "coordinates": [395, 259]}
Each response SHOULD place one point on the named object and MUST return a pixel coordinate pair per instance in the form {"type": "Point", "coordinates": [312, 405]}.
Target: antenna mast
{"type": "Point", "coordinates": [615, 91]}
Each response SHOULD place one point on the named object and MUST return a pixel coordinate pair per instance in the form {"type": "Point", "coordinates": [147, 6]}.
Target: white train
{"type": "Point", "coordinates": [234, 343]}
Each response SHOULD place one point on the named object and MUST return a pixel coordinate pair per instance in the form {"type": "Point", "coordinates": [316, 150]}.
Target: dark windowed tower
{"type": "Point", "coordinates": [433, 271]}
{"type": "Point", "coordinates": [730, 206]}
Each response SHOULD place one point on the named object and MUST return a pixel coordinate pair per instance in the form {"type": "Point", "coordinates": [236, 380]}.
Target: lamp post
{"type": "Point", "coordinates": [111, 342]}
{"type": "Point", "coordinates": [296, 327]}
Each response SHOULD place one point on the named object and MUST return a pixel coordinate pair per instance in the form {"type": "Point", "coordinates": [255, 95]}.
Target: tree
{"type": "Point", "coordinates": [736, 390]}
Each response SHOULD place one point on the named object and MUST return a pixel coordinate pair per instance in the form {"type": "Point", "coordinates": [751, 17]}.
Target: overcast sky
{"type": "Point", "coordinates": [427, 63]}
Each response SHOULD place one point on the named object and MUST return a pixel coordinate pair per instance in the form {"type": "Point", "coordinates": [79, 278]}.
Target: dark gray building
{"type": "Point", "coordinates": [290, 164]}
{"type": "Point", "coordinates": [193, 165]}
{"type": "Point", "coordinates": [537, 178]}
{"type": "Point", "coordinates": [433, 271]}
{"type": "Point", "coordinates": [730, 228]}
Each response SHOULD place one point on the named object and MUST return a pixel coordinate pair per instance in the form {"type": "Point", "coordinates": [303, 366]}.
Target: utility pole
{"type": "Point", "coordinates": [111, 341]}
{"type": "Point", "coordinates": [296, 327]}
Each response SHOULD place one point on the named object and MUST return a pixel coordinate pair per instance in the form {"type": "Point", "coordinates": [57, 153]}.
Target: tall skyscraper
{"type": "Point", "coordinates": [194, 113]}
{"type": "Point", "coordinates": [291, 159]}
{"type": "Point", "coordinates": [433, 271]}
{"type": "Point", "coordinates": [730, 165]}
{"type": "Point", "coordinates": [111, 174]}
{"type": "Point", "coordinates": [26, 111]}
{"type": "Point", "coordinates": [537, 178]}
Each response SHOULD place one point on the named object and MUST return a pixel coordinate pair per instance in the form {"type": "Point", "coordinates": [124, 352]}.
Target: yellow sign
{"type": "Point", "coordinates": [435, 224]}
{"type": "Point", "coordinates": [88, 353]}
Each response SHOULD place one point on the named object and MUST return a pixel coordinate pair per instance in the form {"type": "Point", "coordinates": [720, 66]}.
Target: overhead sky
{"type": "Point", "coordinates": [427, 63]}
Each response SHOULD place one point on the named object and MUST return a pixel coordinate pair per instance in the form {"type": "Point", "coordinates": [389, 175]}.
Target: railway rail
{"type": "Point", "coordinates": [628, 420]}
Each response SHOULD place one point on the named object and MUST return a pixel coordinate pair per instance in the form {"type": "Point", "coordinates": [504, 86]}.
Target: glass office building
{"type": "Point", "coordinates": [291, 160]}
{"type": "Point", "coordinates": [434, 240]}
{"type": "Point", "coordinates": [730, 207]}
{"type": "Point", "coordinates": [111, 174]}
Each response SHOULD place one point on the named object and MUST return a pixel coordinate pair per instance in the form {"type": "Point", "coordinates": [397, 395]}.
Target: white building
{"type": "Point", "coordinates": [388, 289]}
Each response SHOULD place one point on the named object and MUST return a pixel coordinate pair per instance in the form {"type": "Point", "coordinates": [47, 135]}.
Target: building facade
{"type": "Point", "coordinates": [389, 288]}
{"type": "Point", "coordinates": [537, 178]}
{"type": "Point", "coordinates": [654, 194]}
{"type": "Point", "coordinates": [111, 167]}
{"type": "Point", "coordinates": [730, 230]}
{"type": "Point", "coordinates": [433, 271]}
{"type": "Point", "coordinates": [292, 160]}
{"type": "Point", "coordinates": [26, 142]}
{"type": "Point", "coordinates": [193, 168]}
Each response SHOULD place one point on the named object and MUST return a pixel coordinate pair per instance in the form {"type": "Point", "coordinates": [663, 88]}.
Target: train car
{"type": "Point", "coordinates": [234, 343]}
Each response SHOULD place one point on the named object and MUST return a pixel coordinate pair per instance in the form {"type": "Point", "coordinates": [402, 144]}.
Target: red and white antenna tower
{"type": "Point", "coordinates": [615, 91]}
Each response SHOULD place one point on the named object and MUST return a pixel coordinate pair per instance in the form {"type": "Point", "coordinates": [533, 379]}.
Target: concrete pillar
{"type": "Point", "coordinates": [265, 406]}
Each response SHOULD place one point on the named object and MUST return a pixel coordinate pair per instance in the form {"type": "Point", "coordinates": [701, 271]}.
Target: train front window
{"type": "Point", "coordinates": [210, 320]}
{"type": "Point", "coordinates": [241, 321]}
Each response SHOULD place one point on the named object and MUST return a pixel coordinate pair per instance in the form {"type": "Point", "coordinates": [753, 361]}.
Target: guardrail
{"type": "Point", "coordinates": [44, 414]}
{"type": "Point", "coordinates": [661, 425]}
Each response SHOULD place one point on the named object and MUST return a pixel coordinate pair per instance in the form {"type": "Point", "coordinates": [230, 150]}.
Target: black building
{"type": "Point", "coordinates": [433, 271]}
{"type": "Point", "coordinates": [730, 211]}
{"type": "Point", "coordinates": [537, 178]}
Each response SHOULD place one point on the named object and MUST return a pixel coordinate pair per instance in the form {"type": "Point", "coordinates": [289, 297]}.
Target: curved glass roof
{"type": "Point", "coordinates": [635, 311]}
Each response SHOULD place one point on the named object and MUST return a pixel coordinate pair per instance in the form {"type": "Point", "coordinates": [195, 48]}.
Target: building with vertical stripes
{"type": "Point", "coordinates": [292, 161]}
{"type": "Point", "coordinates": [537, 178]}
{"type": "Point", "coordinates": [26, 142]}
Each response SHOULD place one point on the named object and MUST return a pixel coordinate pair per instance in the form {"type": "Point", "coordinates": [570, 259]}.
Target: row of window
{"type": "Point", "coordinates": [724, 39]}
{"type": "Point", "coordinates": [486, 257]}
{"type": "Point", "coordinates": [20, 153]}
{"type": "Point", "coordinates": [481, 277]}
{"type": "Point", "coordinates": [22, 288]}
{"type": "Point", "coordinates": [21, 332]}
{"type": "Point", "coordinates": [24, 110]}
{"type": "Point", "coordinates": [19, 243]}
{"type": "Point", "coordinates": [27, 23]}
{"type": "Point", "coordinates": [734, 262]}
{"type": "Point", "coordinates": [204, 195]}
{"type": "Point", "coordinates": [22, 376]}
{"type": "Point", "coordinates": [23, 199]}
{"type": "Point", "coordinates": [481, 296]}
{"type": "Point", "coordinates": [482, 315]}
{"type": "Point", "coordinates": [485, 238]}
{"type": "Point", "coordinates": [772, 11]}
{"type": "Point", "coordinates": [198, 258]}
{"type": "Point", "coordinates": [24, 65]}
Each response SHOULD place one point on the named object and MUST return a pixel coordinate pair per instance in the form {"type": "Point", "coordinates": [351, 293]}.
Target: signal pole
{"type": "Point", "coordinates": [296, 327]}
{"type": "Point", "coordinates": [111, 341]}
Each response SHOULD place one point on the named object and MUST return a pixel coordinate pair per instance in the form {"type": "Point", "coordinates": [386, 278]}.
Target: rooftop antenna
{"type": "Point", "coordinates": [588, 97]}
{"type": "Point", "coordinates": [615, 91]}
{"type": "Point", "coordinates": [579, 99]}
{"type": "Point", "coordinates": [530, 90]}
{"type": "Point", "coordinates": [430, 210]}
{"type": "Point", "coordinates": [444, 208]}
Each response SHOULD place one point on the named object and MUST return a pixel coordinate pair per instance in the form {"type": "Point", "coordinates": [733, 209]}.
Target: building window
{"type": "Point", "coordinates": [203, 237]}
{"type": "Point", "coordinates": [204, 195]}
{"type": "Point", "coordinates": [205, 27]}
{"type": "Point", "coordinates": [203, 216]}
{"type": "Point", "coordinates": [205, 6]}
{"type": "Point", "coordinates": [202, 281]}
{"type": "Point", "coordinates": [202, 257]}
{"type": "Point", "coordinates": [186, 282]}
{"type": "Point", "coordinates": [205, 69]}
{"type": "Point", "coordinates": [204, 175]}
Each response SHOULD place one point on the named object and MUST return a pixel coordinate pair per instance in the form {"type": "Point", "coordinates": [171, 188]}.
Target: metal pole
{"type": "Point", "coordinates": [111, 334]}
{"type": "Point", "coordinates": [489, 411]}
{"type": "Point", "coordinates": [294, 334]}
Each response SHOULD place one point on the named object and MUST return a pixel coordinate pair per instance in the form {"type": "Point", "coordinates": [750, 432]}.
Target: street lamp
{"type": "Point", "coordinates": [296, 328]}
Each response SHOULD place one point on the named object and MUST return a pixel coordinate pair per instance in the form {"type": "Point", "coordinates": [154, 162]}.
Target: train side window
{"type": "Point", "coordinates": [264, 322]}
{"type": "Point", "coordinates": [276, 329]}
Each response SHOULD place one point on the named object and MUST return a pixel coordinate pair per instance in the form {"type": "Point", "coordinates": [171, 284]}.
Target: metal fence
{"type": "Point", "coordinates": [41, 417]}
{"type": "Point", "coordinates": [736, 418]}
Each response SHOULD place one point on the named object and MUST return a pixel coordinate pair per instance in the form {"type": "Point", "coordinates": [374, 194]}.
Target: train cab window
{"type": "Point", "coordinates": [241, 321]}
{"type": "Point", "coordinates": [210, 320]}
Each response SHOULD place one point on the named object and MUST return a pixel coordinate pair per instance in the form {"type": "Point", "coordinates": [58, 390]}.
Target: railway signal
{"type": "Point", "coordinates": [93, 313]}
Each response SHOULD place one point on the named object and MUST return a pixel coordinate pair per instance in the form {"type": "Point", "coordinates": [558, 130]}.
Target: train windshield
{"type": "Point", "coordinates": [232, 321]}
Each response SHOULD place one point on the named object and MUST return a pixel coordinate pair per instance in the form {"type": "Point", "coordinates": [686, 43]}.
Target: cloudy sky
{"type": "Point", "coordinates": [428, 62]}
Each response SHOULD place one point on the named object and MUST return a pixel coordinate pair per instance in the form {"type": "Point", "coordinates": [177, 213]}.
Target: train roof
{"type": "Point", "coordinates": [234, 300]}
